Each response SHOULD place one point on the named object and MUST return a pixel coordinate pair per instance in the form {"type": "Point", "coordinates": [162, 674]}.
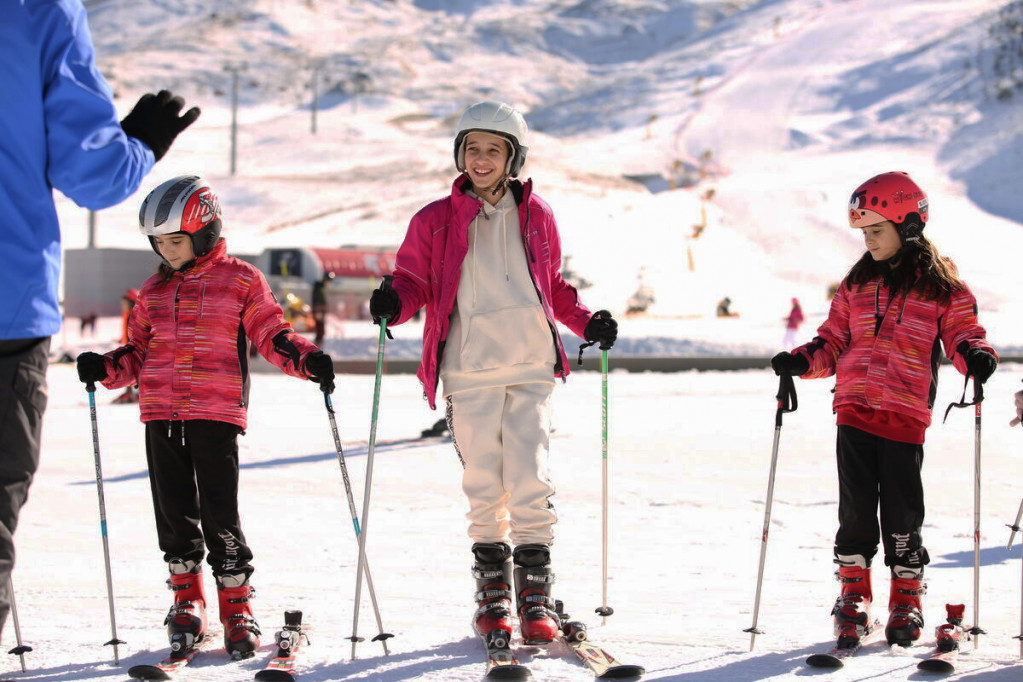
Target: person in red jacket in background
{"type": "Point", "coordinates": [792, 323]}
{"type": "Point", "coordinates": [898, 305]}
{"type": "Point", "coordinates": [187, 351]}
{"type": "Point", "coordinates": [128, 300]}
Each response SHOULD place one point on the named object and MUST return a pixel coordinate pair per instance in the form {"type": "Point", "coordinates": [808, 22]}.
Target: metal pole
{"type": "Point", "coordinates": [978, 398]}
{"type": "Point", "coordinates": [786, 392]}
{"type": "Point", "coordinates": [114, 641]}
{"type": "Point", "coordinates": [369, 474]}
{"type": "Point", "coordinates": [604, 611]}
{"type": "Point", "coordinates": [92, 229]}
{"type": "Point", "coordinates": [1015, 527]}
{"type": "Point", "coordinates": [382, 637]}
{"type": "Point", "coordinates": [21, 649]}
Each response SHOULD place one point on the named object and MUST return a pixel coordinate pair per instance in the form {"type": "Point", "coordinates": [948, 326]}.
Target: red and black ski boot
{"type": "Point", "coordinates": [949, 633]}
{"type": "Point", "coordinates": [852, 608]}
{"type": "Point", "coordinates": [905, 617]}
{"type": "Point", "coordinates": [186, 620]}
{"type": "Point", "coordinates": [538, 620]}
{"type": "Point", "coordinates": [241, 631]}
{"type": "Point", "coordinates": [493, 573]}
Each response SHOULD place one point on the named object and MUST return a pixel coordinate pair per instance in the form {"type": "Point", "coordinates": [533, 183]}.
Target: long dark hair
{"type": "Point", "coordinates": [919, 268]}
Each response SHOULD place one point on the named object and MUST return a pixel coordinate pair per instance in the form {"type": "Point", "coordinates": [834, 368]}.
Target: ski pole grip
{"type": "Point", "coordinates": [978, 391]}
{"type": "Point", "coordinates": [386, 284]}
{"type": "Point", "coordinates": [787, 400]}
{"type": "Point", "coordinates": [90, 386]}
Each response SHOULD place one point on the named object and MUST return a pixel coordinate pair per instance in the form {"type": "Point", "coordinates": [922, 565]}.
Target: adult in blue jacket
{"type": "Point", "coordinates": [58, 129]}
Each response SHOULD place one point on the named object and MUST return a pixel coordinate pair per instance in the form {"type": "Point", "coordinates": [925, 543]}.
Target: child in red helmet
{"type": "Point", "coordinates": [897, 303]}
{"type": "Point", "coordinates": [186, 349]}
{"type": "Point", "coordinates": [485, 261]}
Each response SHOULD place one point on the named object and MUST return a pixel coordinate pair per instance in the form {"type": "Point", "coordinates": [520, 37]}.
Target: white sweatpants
{"type": "Point", "coordinates": [502, 436]}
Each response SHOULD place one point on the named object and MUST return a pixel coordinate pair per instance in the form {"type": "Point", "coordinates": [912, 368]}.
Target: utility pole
{"type": "Point", "coordinates": [234, 69]}
{"type": "Point", "coordinates": [317, 65]}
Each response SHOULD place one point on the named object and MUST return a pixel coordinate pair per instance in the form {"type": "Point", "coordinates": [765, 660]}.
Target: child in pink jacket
{"type": "Point", "coordinates": [898, 306]}
{"type": "Point", "coordinates": [485, 261]}
{"type": "Point", "coordinates": [188, 337]}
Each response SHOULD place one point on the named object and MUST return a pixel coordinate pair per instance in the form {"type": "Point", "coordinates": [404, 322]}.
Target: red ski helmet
{"type": "Point", "coordinates": [184, 204]}
{"type": "Point", "coordinates": [890, 196]}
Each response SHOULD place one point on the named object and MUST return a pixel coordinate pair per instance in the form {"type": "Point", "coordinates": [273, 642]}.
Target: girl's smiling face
{"type": "Point", "coordinates": [486, 157]}
{"type": "Point", "coordinates": [176, 248]}
{"type": "Point", "coordinates": [882, 240]}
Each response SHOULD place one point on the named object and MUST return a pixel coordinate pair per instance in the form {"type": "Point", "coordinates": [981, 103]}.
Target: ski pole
{"type": "Point", "coordinates": [603, 610]}
{"type": "Point", "coordinates": [114, 641]}
{"type": "Point", "coordinates": [383, 636]}
{"type": "Point", "coordinates": [786, 403]}
{"type": "Point", "coordinates": [386, 284]}
{"type": "Point", "coordinates": [978, 397]}
{"type": "Point", "coordinates": [21, 649]}
{"type": "Point", "coordinates": [1015, 528]}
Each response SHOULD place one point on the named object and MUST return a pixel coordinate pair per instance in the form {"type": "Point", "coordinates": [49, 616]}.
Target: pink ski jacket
{"type": "Point", "coordinates": [187, 345]}
{"type": "Point", "coordinates": [889, 360]}
{"type": "Point", "coordinates": [428, 268]}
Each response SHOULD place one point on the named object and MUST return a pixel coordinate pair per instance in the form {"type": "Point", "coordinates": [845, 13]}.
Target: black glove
{"type": "Point", "coordinates": [320, 366]}
{"type": "Point", "coordinates": [91, 368]}
{"type": "Point", "coordinates": [980, 364]}
{"type": "Point", "coordinates": [156, 121]}
{"type": "Point", "coordinates": [601, 329]}
{"type": "Point", "coordinates": [384, 304]}
{"type": "Point", "coordinates": [787, 363]}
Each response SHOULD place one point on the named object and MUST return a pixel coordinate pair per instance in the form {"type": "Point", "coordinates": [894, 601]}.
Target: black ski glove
{"type": "Point", "coordinates": [156, 121]}
{"type": "Point", "coordinates": [980, 364]}
{"type": "Point", "coordinates": [384, 304]}
{"type": "Point", "coordinates": [91, 367]}
{"type": "Point", "coordinates": [787, 363]}
{"type": "Point", "coordinates": [320, 366]}
{"type": "Point", "coordinates": [601, 329]}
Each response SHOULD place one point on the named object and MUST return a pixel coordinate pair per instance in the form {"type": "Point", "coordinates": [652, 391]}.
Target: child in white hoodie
{"type": "Point", "coordinates": [486, 263]}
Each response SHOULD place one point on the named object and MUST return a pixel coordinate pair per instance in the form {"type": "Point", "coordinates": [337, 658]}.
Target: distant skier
{"type": "Point", "coordinates": [319, 298]}
{"type": "Point", "coordinates": [724, 308]}
{"type": "Point", "coordinates": [1019, 409]}
{"type": "Point", "coordinates": [186, 343]}
{"type": "Point", "coordinates": [792, 322]}
{"type": "Point", "coordinates": [486, 263]}
{"type": "Point", "coordinates": [128, 300]}
{"type": "Point", "coordinates": [881, 339]}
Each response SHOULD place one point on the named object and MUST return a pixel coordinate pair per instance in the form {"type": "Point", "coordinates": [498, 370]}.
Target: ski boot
{"type": "Point", "coordinates": [493, 573]}
{"type": "Point", "coordinates": [852, 608]}
{"type": "Point", "coordinates": [241, 631]}
{"type": "Point", "coordinates": [905, 619]}
{"type": "Point", "coordinates": [538, 621]}
{"type": "Point", "coordinates": [948, 635]}
{"type": "Point", "coordinates": [186, 620]}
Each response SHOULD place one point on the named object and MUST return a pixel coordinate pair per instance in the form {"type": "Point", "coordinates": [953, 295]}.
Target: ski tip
{"type": "Point", "coordinates": [935, 666]}
{"type": "Point", "coordinates": [623, 672]}
{"type": "Point", "coordinates": [823, 661]}
{"type": "Point", "coordinates": [274, 676]}
{"type": "Point", "coordinates": [147, 672]}
{"type": "Point", "coordinates": [509, 672]}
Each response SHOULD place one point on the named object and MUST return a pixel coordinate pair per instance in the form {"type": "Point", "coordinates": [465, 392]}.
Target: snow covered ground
{"type": "Point", "coordinates": [689, 459]}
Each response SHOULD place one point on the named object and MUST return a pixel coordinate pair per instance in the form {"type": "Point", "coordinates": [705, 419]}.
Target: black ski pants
{"type": "Point", "coordinates": [875, 471]}
{"type": "Point", "coordinates": [193, 473]}
{"type": "Point", "coordinates": [23, 364]}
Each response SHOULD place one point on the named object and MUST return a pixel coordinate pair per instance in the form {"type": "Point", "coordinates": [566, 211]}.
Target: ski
{"type": "Point", "coordinates": [948, 636]}
{"type": "Point", "coordinates": [179, 657]}
{"type": "Point", "coordinates": [290, 640]}
{"type": "Point", "coordinates": [501, 661]}
{"type": "Point", "coordinates": [603, 665]}
{"type": "Point", "coordinates": [838, 654]}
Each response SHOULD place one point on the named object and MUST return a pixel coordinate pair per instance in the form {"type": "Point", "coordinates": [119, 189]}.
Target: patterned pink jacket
{"type": "Point", "coordinates": [428, 268]}
{"type": "Point", "coordinates": [889, 360]}
{"type": "Point", "coordinates": [187, 345]}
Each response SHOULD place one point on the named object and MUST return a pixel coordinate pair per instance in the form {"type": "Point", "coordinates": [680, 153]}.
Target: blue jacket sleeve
{"type": "Point", "coordinates": [90, 159]}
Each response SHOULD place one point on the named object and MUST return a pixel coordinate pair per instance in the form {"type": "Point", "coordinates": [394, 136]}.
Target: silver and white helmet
{"type": "Point", "coordinates": [183, 204]}
{"type": "Point", "coordinates": [498, 119]}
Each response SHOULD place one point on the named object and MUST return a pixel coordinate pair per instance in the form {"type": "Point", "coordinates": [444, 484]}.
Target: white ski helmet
{"type": "Point", "coordinates": [183, 204]}
{"type": "Point", "coordinates": [498, 119]}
